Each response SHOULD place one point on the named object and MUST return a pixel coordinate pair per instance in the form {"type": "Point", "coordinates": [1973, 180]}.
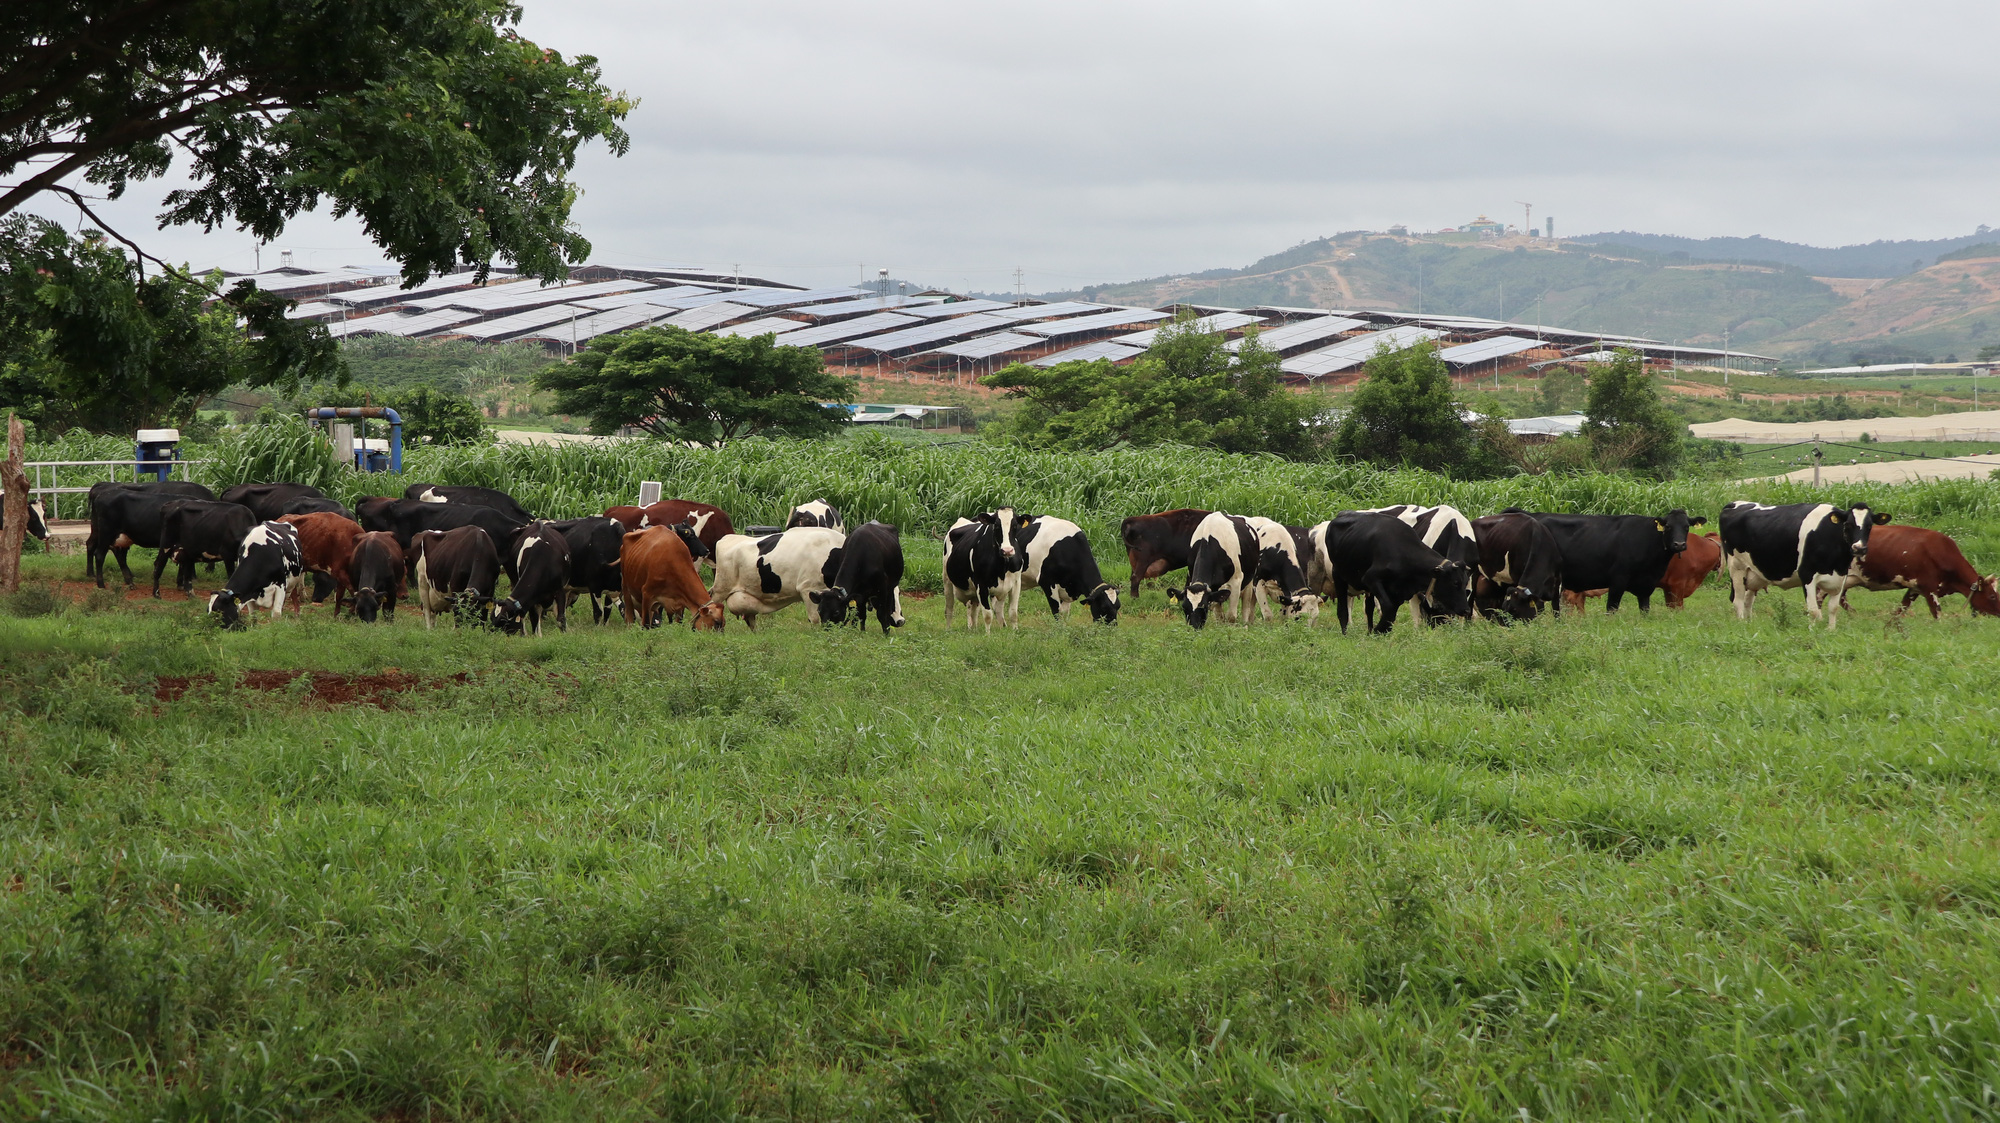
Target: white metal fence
{"type": "Point", "coordinates": [46, 479]}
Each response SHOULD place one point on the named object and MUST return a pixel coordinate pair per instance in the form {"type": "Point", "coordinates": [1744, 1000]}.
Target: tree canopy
{"type": "Point", "coordinates": [1187, 389]}
{"type": "Point", "coordinates": [1627, 423]}
{"type": "Point", "coordinates": [445, 132]}
{"type": "Point", "coordinates": [676, 385]}
{"type": "Point", "coordinates": [1405, 413]}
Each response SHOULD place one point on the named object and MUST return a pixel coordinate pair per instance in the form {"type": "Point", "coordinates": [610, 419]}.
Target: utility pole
{"type": "Point", "coordinates": [1725, 365]}
{"type": "Point", "coordinates": [1527, 218]}
{"type": "Point", "coordinates": [1020, 297]}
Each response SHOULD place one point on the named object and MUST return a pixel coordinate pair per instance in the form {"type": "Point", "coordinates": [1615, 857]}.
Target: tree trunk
{"type": "Point", "coordinates": [14, 512]}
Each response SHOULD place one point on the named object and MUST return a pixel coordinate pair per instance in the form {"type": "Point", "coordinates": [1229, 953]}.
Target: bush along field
{"type": "Point", "coordinates": [1658, 866]}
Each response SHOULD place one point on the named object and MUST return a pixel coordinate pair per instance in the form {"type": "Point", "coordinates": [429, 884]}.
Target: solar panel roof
{"type": "Point", "coordinates": [313, 308]}
{"type": "Point", "coordinates": [522, 295]}
{"type": "Point", "coordinates": [395, 293]}
{"type": "Point", "coordinates": [1486, 349]}
{"type": "Point", "coordinates": [769, 325]}
{"type": "Point", "coordinates": [294, 282]}
{"type": "Point", "coordinates": [1103, 321]}
{"type": "Point", "coordinates": [1049, 311]}
{"type": "Point", "coordinates": [849, 329]}
{"type": "Point", "coordinates": [588, 328]}
{"type": "Point", "coordinates": [1102, 349]}
{"type": "Point", "coordinates": [709, 315]}
{"type": "Point", "coordinates": [391, 323]}
{"type": "Point", "coordinates": [1220, 321]}
{"type": "Point", "coordinates": [666, 298]}
{"type": "Point", "coordinates": [941, 332]}
{"type": "Point", "coordinates": [864, 306]}
{"type": "Point", "coordinates": [1353, 352]}
{"type": "Point", "coordinates": [1301, 333]}
{"type": "Point", "coordinates": [986, 346]}
{"type": "Point", "coordinates": [506, 327]}
{"type": "Point", "coordinates": [785, 298]}
{"type": "Point", "coordinates": [955, 308]}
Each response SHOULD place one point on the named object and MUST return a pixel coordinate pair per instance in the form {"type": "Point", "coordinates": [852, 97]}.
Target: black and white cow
{"type": "Point", "coordinates": [376, 571]}
{"type": "Point", "coordinates": [1060, 564]}
{"type": "Point", "coordinates": [456, 571]}
{"type": "Point", "coordinates": [1280, 574]}
{"type": "Point", "coordinates": [472, 496]}
{"type": "Point", "coordinates": [816, 513]}
{"type": "Point", "coordinates": [269, 566]}
{"type": "Point", "coordinates": [124, 515]}
{"type": "Point", "coordinates": [870, 573]}
{"type": "Point", "coordinates": [1444, 530]}
{"type": "Point", "coordinates": [1222, 565]}
{"type": "Point", "coordinates": [594, 545]}
{"type": "Point", "coordinates": [1520, 566]}
{"type": "Point", "coordinates": [1815, 546]}
{"type": "Point", "coordinates": [1382, 558]}
{"type": "Point", "coordinates": [539, 576]}
{"type": "Point", "coordinates": [982, 567]}
{"type": "Point", "coordinates": [198, 530]}
{"type": "Point", "coordinates": [268, 501]}
{"type": "Point", "coordinates": [758, 576]}
{"type": "Point", "coordinates": [38, 526]}
{"type": "Point", "coordinates": [1618, 553]}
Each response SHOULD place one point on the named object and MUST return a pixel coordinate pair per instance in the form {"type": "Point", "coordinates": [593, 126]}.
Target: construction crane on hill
{"type": "Point", "coordinates": [1527, 218]}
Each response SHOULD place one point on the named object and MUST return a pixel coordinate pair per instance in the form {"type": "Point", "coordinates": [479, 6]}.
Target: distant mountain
{"type": "Point", "coordinates": [1875, 259]}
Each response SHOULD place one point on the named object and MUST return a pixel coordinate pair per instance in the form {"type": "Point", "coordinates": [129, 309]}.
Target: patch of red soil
{"type": "Point", "coordinates": [324, 689]}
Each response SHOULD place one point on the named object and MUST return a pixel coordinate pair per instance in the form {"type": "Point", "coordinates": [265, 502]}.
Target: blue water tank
{"type": "Point", "coordinates": [154, 452]}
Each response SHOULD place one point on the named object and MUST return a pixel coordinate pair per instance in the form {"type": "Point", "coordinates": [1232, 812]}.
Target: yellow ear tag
{"type": "Point", "coordinates": [1659, 526]}
{"type": "Point", "coordinates": [1834, 518]}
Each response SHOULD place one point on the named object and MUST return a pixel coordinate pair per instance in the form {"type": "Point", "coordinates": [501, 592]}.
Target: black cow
{"type": "Point", "coordinates": [37, 524]}
{"type": "Point", "coordinates": [816, 513]}
{"type": "Point", "coordinates": [1520, 566]}
{"type": "Point", "coordinates": [1383, 558]}
{"type": "Point", "coordinates": [472, 496]}
{"type": "Point", "coordinates": [1618, 553]}
{"type": "Point", "coordinates": [870, 573]}
{"type": "Point", "coordinates": [124, 515]}
{"type": "Point", "coordinates": [1817, 546]}
{"type": "Point", "coordinates": [594, 545]}
{"type": "Point", "coordinates": [981, 562]}
{"type": "Point", "coordinates": [1445, 530]}
{"type": "Point", "coordinates": [268, 501]}
{"type": "Point", "coordinates": [539, 573]}
{"type": "Point", "coordinates": [315, 504]}
{"type": "Point", "coordinates": [1159, 544]}
{"type": "Point", "coordinates": [406, 518]}
{"type": "Point", "coordinates": [1222, 565]}
{"type": "Point", "coordinates": [1060, 564]}
{"type": "Point", "coordinates": [199, 530]}
{"type": "Point", "coordinates": [268, 566]}
{"type": "Point", "coordinates": [377, 574]}
{"type": "Point", "coordinates": [455, 570]}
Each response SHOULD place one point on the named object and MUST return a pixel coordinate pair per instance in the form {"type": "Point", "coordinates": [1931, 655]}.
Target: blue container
{"type": "Point", "coordinates": [154, 453]}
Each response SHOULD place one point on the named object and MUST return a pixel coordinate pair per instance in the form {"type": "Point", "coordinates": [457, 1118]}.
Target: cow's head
{"type": "Point", "coordinates": [1301, 604]}
{"type": "Point", "coordinates": [1195, 602]}
{"type": "Point", "coordinates": [509, 615]}
{"type": "Point", "coordinates": [367, 605]}
{"type": "Point", "coordinates": [1985, 595]}
{"type": "Point", "coordinates": [224, 605]}
{"type": "Point", "coordinates": [1521, 604]}
{"type": "Point", "coordinates": [691, 538]}
{"type": "Point", "coordinates": [37, 525]}
{"type": "Point", "coordinates": [1451, 587]}
{"type": "Point", "coordinates": [1103, 602]}
{"type": "Point", "coordinates": [1856, 524]}
{"type": "Point", "coordinates": [1008, 523]}
{"type": "Point", "coordinates": [709, 617]}
{"type": "Point", "coordinates": [832, 605]}
{"type": "Point", "coordinates": [1675, 527]}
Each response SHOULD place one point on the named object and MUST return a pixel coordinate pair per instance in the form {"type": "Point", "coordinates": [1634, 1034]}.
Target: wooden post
{"type": "Point", "coordinates": [14, 512]}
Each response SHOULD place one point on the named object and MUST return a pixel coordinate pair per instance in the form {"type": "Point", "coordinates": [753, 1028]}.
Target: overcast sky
{"type": "Point", "coordinates": [1092, 142]}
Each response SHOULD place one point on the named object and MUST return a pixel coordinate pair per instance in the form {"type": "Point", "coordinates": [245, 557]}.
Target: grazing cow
{"type": "Point", "coordinates": [982, 564]}
{"type": "Point", "coordinates": [1814, 546]}
{"type": "Point", "coordinates": [816, 513]}
{"type": "Point", "coordinates": [326, 547]}
{"type": "Point", "coordinates": [469, 496]}
{"type": "Point", "coordinates": [267, 569]}
{"type": "Point", "coordinates": [1520, 566]}
{"type": "Point", "coordinates": [376, 571]}
{"type": "Point", "coordinates": [406, 518]}
{"type": "Point", "coordinates": [594, 546]}
{"type": "Point", "coordinates": [870, 573]}
{"type": "Point", "coordinates": [538, 570]}
{"type": "Point", "coordinates": [1157, 544]}
{"type": "Point", "coordinates": [711, 523]}
{"type": "Point", "coordinates": [1060, 564]}
{"type": "Point", "coordinates": [758, 576]}
{"type": "Point", "coordinates": [1445, 530]}
{"type": "Point", "coordinates": [268, 501]}
{"type": "Point", "coordinates": [1618, 553]}
{"type": "Point", "coordinates": [1924, 563]}
{"type": "Point", "coordinates": [1280, 576]}
{"type": "Point", "coordinates": [1383, 558]}
{"type": "Point", "coordinates": [660, 579]}
{"type": "Point", "coordinates": [1686, 573]}
{"type": "Point", "coordinates": [199, 530]}
{"type": "Point", "coordinates": [455, 570]}
{"type": "Point", "coordinates": [1222, 565]}
{"type": "Point", "coordinates": [124, 515]}
{"type": "Point", "coordinates": [312, 505]}
{"type": "Point", "coordinates": [37, 524]}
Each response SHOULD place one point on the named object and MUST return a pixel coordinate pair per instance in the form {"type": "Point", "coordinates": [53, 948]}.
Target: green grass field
{"type": "Point", "coordinates": [1664, 867]}
{"type": "Point", "coordinates": [1768, 460]}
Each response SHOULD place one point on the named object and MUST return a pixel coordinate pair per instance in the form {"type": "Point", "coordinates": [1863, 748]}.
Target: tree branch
{"type": "Point", "coordinates": [76, 197]}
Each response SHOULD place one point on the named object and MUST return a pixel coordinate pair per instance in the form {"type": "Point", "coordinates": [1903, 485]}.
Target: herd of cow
{"type": "Point", "coordinates": [445, 548]}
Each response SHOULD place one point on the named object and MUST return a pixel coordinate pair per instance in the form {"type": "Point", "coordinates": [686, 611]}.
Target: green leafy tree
{"type": "Point", "coordinates": [676, 385]}
{"type": "Point", "coordinates": [1405, 413]}
{"type": "Point", "coordinates": [1187, 389]}
{"type": "Point", "coordinates": [1563, 389]}
{"type": "Point", "coordinates": [1627, 424]}
{"type": "Point", "coordinates": [87, 342]}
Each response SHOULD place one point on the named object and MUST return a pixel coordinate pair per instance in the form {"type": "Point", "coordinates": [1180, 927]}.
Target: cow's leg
{"type": "Point", "coordinates": [160, 561]}
{"type": "Point", "coordinates": [1932, 600]}
{"type": "Point", "coordinates": [1342, 611]}
{"type": "Point", "coordinates": [119, 552]}
{"type": "Point", "coordinates": [1132, 559]}
{"type": "Point", "coordinates": [1388, 605]}
{"type": "Point", "coordinates": [278, 603]}
{"type": "Point", "coordinates": [1613, 597]}
{"type": "Point", "coordinates": [1645, 599]}
{"type": "Point", "coordinates": [1812, 600]}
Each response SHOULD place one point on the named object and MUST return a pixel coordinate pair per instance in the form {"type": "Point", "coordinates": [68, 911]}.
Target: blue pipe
{"type": "Point", "coordinates": [395, 420]}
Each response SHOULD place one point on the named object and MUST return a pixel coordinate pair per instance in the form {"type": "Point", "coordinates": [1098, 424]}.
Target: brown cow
{"type": "Point", "coordinates": [1685, 573]}
{"type": "Point", "coordinates": [659, 577]}
{"type": "Point", "coordinates": [326, 546]}
{"type": "Point", "coordinates": [1157, 544]}
{"type": "Point", "coordinates": [1924, 563]}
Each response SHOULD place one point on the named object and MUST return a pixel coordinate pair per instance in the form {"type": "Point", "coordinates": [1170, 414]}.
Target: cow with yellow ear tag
{"type": "Point", "coordinates": [1817, 547]}
{"type": "Point", "coordinates": [1619, 553]}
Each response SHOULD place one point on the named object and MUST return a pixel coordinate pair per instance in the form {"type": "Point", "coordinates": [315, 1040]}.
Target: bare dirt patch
{"type": "Point", "coordinates": [325, 689]}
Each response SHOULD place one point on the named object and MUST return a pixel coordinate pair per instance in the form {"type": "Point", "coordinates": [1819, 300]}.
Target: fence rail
{"type": "Point", "coordinates": [47, 477]}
